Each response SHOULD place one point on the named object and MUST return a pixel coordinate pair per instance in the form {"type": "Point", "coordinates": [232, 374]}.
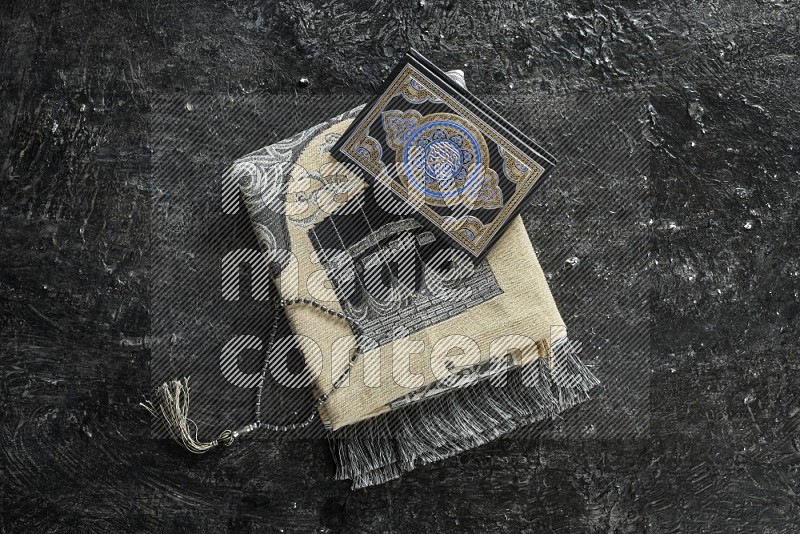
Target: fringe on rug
{"type": "Point", "coordinates": [384, 447]}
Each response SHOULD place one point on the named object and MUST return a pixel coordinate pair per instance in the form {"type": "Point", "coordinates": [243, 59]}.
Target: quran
{"type": "Point", "coordinates": [445, 154]}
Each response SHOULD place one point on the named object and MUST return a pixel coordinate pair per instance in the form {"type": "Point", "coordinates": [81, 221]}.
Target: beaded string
{"type": "Point", "coordinates": [229, 436]}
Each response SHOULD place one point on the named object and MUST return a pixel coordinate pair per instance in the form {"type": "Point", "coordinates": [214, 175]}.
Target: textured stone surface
{"type": "Point", "coordinates": [78, 78]}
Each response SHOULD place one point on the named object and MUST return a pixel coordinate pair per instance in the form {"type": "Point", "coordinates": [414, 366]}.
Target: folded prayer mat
{"type": "Point", "coordinates": [418, 350]}
{"type": "Point", "coordinates": [452, 352]}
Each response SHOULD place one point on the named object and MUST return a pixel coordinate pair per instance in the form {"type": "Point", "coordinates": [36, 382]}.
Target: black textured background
{"type": "Point", "coordinates": [77, 82]}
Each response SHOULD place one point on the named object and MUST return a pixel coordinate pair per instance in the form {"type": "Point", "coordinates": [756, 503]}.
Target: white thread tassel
{"type": "Point", "coordinates": [172, 407]}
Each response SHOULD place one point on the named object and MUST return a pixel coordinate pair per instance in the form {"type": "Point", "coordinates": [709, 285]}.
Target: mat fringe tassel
{"type": "Point", "coordinates": [171, 408]}
{"type": "Point", "coordinates": [382, 448]}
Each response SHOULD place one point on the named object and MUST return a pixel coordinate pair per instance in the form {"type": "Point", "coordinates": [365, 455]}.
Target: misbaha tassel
{"type": "Point", "coordinates": [172, 406]}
